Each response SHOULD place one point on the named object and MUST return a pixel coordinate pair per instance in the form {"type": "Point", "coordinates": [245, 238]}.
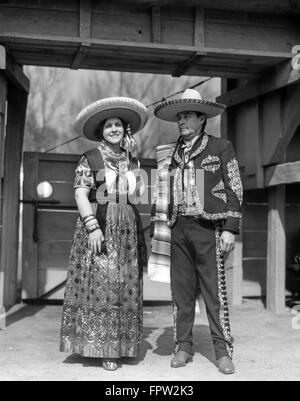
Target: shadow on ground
{"type": "Point", "coordinates": [202, 342]}
{"type": "Point", "coordinates": [23, 313]}
{"type": "Point", "coordinates": [164, 347]}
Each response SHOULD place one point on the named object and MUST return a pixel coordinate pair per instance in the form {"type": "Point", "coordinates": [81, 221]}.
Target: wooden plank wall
{"type": "Point", "coordinates": [234, 29]}
{"type": "Point", "coordinates": [42, 260]}
{"type": "Point", "coordinates": [261, 131]}
{"type": "Point", "coordinates": [255, 229]}
{"type": "Point", "coordinates": [16, 111]}
{"type": "Point", "coordinates": [255, 234]}
{"type": "Point", "coordinates": [3, 94]}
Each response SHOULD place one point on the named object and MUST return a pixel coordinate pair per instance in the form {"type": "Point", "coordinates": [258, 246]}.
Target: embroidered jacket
{"type": "Point", "coordinates": [213, 179]}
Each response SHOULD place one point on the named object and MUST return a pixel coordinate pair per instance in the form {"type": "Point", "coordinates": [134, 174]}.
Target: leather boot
{"type": "Point", "coordinates": [181, 358]}
{"type": "Point", "coordinates": [226, 365]}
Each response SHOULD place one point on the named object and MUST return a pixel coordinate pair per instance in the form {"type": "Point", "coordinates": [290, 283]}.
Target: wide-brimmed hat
{"type": "Point", "coordinates": [131, 111]}
{"type": "Point", "coordinates": [190, 100]}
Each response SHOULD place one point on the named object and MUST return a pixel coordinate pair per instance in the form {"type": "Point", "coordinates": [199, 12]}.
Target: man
{"type": "Point", "coordinates": [196, 212]}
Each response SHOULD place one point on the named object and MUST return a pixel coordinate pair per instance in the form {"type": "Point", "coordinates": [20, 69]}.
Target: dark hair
{"type": "Point", "coordinates": [99, 129]}
{"type": "Point", "coordinates": [204, 122]}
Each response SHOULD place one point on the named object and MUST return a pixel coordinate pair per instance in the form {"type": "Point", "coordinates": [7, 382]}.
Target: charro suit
{"type": "Point", "coordinates": [198, 212]}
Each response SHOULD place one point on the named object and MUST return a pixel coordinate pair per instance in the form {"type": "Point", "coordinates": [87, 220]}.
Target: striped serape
{"type": "Point", "coordinates": [159, 263]}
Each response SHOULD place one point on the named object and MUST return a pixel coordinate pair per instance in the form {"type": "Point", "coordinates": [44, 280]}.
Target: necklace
{"type": "Point", "coordinates": [110, 152]}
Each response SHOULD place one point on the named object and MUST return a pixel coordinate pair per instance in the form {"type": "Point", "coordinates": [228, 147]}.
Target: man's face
{"type": "Point", "coordinates": [189, 123]}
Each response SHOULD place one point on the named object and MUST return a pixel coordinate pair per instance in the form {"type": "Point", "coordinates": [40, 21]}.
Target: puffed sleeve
{"type": "Point", "coordinates": [84, 175]}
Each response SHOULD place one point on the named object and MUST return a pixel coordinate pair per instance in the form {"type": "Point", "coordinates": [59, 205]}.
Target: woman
{"type": "Point", "coordinates": [102, 313]}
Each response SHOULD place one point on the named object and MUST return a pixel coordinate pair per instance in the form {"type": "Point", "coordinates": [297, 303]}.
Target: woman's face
{"type": "Point", "coordinates": [113, 131]}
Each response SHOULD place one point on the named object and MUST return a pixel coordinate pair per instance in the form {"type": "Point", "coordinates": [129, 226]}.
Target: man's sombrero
{"type": "Point", "coordinates": [190, 100]}
{"type": "Point", "coordinates": [131, 111]}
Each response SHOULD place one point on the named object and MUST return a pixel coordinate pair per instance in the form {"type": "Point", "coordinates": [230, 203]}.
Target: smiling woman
{"type": "Point", "coordinates": [102, 314]}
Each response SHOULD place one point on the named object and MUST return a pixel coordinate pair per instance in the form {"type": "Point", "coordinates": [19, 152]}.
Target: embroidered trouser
{"type": "Point", "coordinates": [196, 260]}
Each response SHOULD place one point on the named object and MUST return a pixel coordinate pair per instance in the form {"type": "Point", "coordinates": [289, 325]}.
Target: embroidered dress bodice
{"type": "Point", "coordinates": [118, 177]}
{"type": "Point", "coordinates": [116, 168]}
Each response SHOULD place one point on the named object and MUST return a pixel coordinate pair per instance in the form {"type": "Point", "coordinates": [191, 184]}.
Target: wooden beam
{"type": "Point", "coordinates": [156, 24]}
{"type": "Point", "coordinates": [11, 38]}
{"type": "Point", "coordinates": [2, 58]}
{"type": "Point", "coordinates": [187, 64]}
{"type": "Point", "coordinates": [85, 18]}
{"type": "Point", "coordinates": [286, 173]}
{"type": "Point", "coordinates": [276, 78]}
{"type": "Point", "coordinates": [276, 257]}
{"type": "Point", "coordinates": [80, 56]}
{"type": "Point", "coordinates": [137, 56]}
{"type": "Point", "coordinates": [199, 27]}
{"type": "Point", "coordinates": [290, 122]}
{"type": "Point", "coordinates": [16, 112]}
{"type": "Point", "coordinates": [255, 6]}
{"type": "Point", "coordinates": [15, 75]}
{"type": "Point", "coordinates": [217, 28]}
{"type": "Point", "coordinates": [271, 113]}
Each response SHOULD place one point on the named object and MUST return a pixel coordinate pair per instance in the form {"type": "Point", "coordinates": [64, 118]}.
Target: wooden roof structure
{"type": "Point", "coordinates": [236, 39]}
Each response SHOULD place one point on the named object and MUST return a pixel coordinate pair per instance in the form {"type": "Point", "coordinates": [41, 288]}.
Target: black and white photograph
{"type": "Point", "coordinates": [149, 193]}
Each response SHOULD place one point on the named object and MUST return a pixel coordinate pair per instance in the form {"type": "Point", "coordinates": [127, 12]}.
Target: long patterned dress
{"type": "Point", "coordinates": [102, 312]}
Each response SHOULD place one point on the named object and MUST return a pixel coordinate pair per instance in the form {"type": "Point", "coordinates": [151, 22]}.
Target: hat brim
{"type": "Point", "coordinates": [169, 110]}
{"type": "Point", "coordinates": [131, 111]}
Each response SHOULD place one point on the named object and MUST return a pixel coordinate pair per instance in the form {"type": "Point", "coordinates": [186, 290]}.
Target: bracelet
{"type": "Point", "coordinates": [92, 228]}
{"type": "Point", "coordinates": [89, 222]}
{"type": "Point", "coordinates": [95, 229]}
{"type": "Point", "coordinates": [89, 218]}
{"type": "Point", "coordinates": [88, 215]}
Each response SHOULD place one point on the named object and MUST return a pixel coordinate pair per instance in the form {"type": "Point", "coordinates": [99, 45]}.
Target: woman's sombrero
{"type": "Point", "coordinates": [131, 111]}
{"type": "Point", "coordinates": [190, 100]}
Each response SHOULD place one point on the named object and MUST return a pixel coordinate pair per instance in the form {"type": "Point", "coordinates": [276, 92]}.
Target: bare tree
{"type": "Point", "coordinates": [46, 111]}
{"type": "Point", "coordinates": [57, 96]}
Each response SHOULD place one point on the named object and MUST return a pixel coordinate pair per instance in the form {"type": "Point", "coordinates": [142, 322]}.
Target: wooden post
{"type": "Point", "coordinates": [2, 57]}
{"type": "Point", "coordinates": [156, 24]}
{"type": "Point", "coordinates": [16, 110]}
{"type": "Point", "coordinates": [3, 93]}
{"type": "Point", "coordinates": [224, 116]}
{"type": "Point", "coordinates": [234, 261]}
{"type": "Point", "coordinates": [199, 27]}
{"type": "Point", "coordinates": [29, 246]}
{"type": "Point", "coordinates": [237, 270]}
{"type": "Point", "coordinates": [276, 261]}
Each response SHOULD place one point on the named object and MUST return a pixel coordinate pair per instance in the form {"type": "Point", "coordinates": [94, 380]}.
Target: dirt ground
{"type": "Point", "coordinates": [267, 348]}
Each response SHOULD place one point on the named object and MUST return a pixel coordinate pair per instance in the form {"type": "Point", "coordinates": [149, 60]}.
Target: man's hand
{"type": "Point", "coordinates": [227, 241]}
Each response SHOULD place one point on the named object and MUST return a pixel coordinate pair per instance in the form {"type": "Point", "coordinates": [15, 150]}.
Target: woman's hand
{"type": "Point", "coordinates": [95, 241]}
